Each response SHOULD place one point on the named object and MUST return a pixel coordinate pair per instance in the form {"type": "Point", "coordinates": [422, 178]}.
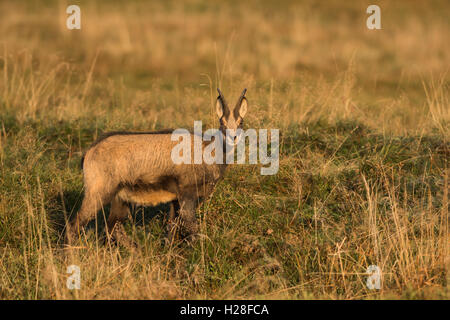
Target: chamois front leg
{"type": "Point", "coordinates": [172, 221]}
{"type": "Point", "coordinates": [188, 222]}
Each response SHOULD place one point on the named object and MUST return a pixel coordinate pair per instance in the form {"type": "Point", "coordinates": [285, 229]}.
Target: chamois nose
{"type": "Point", "coordinates": [231, 136]}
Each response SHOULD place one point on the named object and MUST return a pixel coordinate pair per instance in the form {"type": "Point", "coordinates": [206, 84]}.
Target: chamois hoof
{"type": "Point", "coordinates": [120, 237]}
{"type": "Point", "coordinates": [192, 238]}
{"type": "Point", "coordinates": [170, 239]}
{"type": "Point", "coordinates": [70, 237]}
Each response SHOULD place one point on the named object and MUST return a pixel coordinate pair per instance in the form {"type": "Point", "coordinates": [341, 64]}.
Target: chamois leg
{"type": "Point", "coordinates": [119, 213]}
{"type": "Point", "coordinates": [172, 221]}
{"type": "Point", "coordinates": [92, 202]}
{"type": "Point", "coordinates": [188, 223]}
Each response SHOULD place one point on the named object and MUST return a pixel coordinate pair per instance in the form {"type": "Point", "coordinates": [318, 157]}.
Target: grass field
{"type": "Point", "coordinates": [364, 120]}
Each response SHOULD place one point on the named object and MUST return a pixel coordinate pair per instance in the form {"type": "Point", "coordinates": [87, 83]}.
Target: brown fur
{"type": "Point", "coordinates": [114, 133]}
{"type": "Point", "coordinates": [136, 167]}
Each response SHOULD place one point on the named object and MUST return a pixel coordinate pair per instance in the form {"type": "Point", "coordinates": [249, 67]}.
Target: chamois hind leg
{"type": "Point", "coordinates": [118, 214]}
{"type": "Point", "coordinates": [93, 200]}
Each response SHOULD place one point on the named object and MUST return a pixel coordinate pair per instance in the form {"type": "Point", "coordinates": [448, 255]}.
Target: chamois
{"type": "Point", "coordinates": [136, 167]}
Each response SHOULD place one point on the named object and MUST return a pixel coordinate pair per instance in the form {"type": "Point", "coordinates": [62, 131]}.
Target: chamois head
{"type": "Point", "coordinates": [231, 121]}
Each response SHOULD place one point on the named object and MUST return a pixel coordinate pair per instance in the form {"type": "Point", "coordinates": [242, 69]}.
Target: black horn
{"type": "Point", "coordinates": [226, 111]}
{"type": "Point", "coordinates": [221, 97]}
{"type": "Point", "coordinates": [240, 98]}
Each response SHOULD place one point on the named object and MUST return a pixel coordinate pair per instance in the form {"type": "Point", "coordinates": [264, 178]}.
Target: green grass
{"type": "Point", "coordinates": [264, 235]}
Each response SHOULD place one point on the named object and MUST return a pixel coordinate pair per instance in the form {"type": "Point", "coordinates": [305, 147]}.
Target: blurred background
{"type": "Point", "coordinates": [305, 54]}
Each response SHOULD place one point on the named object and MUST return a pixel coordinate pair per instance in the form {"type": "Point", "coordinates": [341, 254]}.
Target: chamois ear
{"type": "Point", "coordinates": [221, 105]}
{"type": "Point", "coordinates": [241, 107]}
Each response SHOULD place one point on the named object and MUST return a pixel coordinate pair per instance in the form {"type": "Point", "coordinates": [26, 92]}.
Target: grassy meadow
{"type": "Point", "coordinates": [364, 120]}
